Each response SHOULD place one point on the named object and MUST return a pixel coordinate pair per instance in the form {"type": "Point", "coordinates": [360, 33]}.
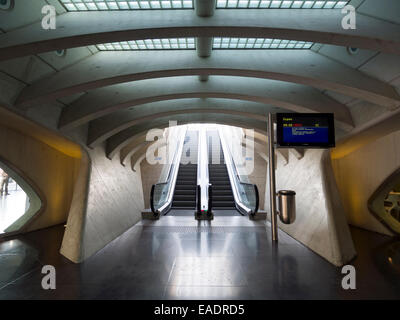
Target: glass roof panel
{"type": "Point", "coordinates": [150, 44]}
{"type": "Point", "coordinates": [281, 4]}
{"type": "Point", "coordinates": [190, 44]}
{"type": "Point", "coordinates": [108, 5]}
{"type": "Point", "coordinates": [259, 43]}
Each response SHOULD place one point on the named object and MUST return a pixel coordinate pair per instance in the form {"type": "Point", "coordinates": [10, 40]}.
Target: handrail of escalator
{"type": "Point", "coordinates": [152, 199]}
{"type": "Point", "coordinates": [239, 187]}
{"type": "Point", "coordinates": [257, 199]}
{"type": "Point", "coordinates": [255, 207]}
{"type": "Point", "coordinates": [198, 199]}
{"type": "Point", "coordinates": [257, 195]}
{"type": "Point", "coordinates": [210, 195]}
{"type": "Point", "coordinates": [165, 188]}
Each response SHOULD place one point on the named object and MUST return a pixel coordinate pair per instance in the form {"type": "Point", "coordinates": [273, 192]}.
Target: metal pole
{"type": "Point", "coordinates": [272, 185]}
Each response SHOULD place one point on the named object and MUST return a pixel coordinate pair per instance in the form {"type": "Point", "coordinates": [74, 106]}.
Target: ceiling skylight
{"type": "Point", "coordinates": [281, 4]}
{"type": "Point", "coordinates": [259, 43]}
{"type": "Point", "coordinates": [150, 44]}
{"type": "Point", "coordinates": [107, 5]}
{"type": "Point", "coordinates": [218, 43]}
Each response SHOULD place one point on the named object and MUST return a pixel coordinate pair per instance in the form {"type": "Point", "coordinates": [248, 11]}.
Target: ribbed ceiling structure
{"type": "Point", "coordinates": [113, 69]}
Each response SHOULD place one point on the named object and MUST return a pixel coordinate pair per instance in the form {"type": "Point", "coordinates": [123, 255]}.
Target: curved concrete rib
{"type": "Point", "coordinates": [104, 127]}
{"type": "Point", "coordinates": [117, 142]}
{"type": "Point", "coordinates": [259, 148]}
{"type": "Point", "coordinates": [75, 29]}
{"type": "Point", "coordinates": [140, 152]}
{"type": "Point", "coordinates": [263, 138]}
{"type": "Point", "coordinates": [126, 151]}
{"type": "Point", "coordinates": [297, 98]}
{"type": "Point", "coordinates": [134, 165]}
{"type": "Point", "coordinates": [298, 66]}
{"type": "Point", "coordinates": [134, 150]}
{"type": "Point", "coordinates": [367, 133]}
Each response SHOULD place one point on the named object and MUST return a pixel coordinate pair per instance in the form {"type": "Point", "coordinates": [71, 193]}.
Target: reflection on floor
{"type": "Point", "coordinates": [12, 207]}
{"type": "Point", "coordinates": [180, 258]}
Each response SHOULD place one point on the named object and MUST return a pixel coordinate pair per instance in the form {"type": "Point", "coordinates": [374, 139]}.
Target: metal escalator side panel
{"type": "Point", "coordinates": [163, 190]}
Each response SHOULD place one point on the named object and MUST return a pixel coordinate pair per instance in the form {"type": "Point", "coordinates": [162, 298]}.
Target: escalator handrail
{"type": "Point", "coordinates": [210, 199]}
{"type": "Point", "coordinates": [257, 199]}
{"type": "Point", "coordinates": [198, 199]}
{"type": "Point", "coordinates": [239, 205]}
{"type": "Point", "coordinates": [176, 159]}
{"type": "Point", "coordinates": [152, 199]}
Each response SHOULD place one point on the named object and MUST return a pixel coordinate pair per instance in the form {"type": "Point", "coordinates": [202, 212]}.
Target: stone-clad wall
{"type": "Point", "coordinates": [321, 220]}
{"type": "Point", "coordinates": [52, 172]}
{"type": "Point", "coordinates": [114, 204]}
{"type": "Point", "coordinates": [361, 172]}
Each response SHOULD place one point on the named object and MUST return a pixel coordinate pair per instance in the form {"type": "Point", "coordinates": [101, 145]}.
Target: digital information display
{"type": "Point", "coordinates": [312, 130]}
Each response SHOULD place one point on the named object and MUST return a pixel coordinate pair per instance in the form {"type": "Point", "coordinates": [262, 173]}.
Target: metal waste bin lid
{"type": "Point", "coordinates": [286, 192]}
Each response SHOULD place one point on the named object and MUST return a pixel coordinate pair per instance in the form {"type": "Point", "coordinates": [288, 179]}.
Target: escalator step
{"type": "Point", "coordinates": [221, 183]}
{"type": "Point", "coordinates": [221, 192]}
{"type": "Point", "coordinates": [227, 204]}
{"type": "Point", "coordinates": [185, 192]}
{"type": "Point", "coordinates": [184, 198]}
{"type": "Point", "coordinates": [188, 204]}
{"type": "Point", "coordinates": [221, 187]}
{"type": "Point", "coordinates": [223, 198]}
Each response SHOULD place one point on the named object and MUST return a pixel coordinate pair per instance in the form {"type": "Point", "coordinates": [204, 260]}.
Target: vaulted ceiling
{"type": "Point", "coordinates": [113, 69]}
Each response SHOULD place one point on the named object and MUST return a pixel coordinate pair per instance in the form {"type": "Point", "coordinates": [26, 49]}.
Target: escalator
{"type": "Point", "coordinates": [185, 188]}
{"type": "Point", "coordinates": [222, 195]}
{"type": "Point", "coordinates": [212, 185]}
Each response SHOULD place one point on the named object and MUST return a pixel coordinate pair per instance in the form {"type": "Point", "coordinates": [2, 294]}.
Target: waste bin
{"type": "Point", "coordinates": [287, 206]}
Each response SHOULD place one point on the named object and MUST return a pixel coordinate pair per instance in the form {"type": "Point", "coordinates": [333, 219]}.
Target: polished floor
{"type": "Point", "coordinates": [180, 258]}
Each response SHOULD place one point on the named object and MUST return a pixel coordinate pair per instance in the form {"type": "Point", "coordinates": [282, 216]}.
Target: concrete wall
{"type": "Point", "coordinates": [150, 174]}
{"type": "Point", "coordinates": [361, 172]}
{"type": "Point", "coordinates": [52, 172]}
{"type": "Point", "coordinates": [108, 202]}
{"type": "Point", "coordinates": [321, 221]}
{"type": "Point", "coordinates": [258, 177]}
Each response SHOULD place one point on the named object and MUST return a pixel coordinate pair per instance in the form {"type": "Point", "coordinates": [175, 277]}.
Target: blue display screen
{"type": "Point", "coordinates": [306, 129]}
{"type": "Point", "coordinates": [306, 134]}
